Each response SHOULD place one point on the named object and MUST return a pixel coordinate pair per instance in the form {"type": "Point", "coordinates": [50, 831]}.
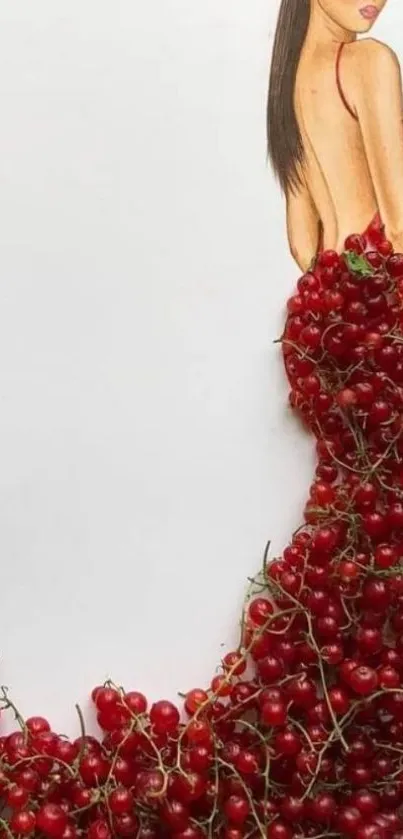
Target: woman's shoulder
{"type": "Point", "coordinates": [368, 58]}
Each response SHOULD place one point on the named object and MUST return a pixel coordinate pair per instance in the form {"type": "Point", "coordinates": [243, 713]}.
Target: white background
{"type": "Point", "coordinates": [146, 449]}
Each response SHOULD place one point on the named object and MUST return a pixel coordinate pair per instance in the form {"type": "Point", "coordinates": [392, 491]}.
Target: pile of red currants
{"type": "Point", "coordinates": [300, 733]}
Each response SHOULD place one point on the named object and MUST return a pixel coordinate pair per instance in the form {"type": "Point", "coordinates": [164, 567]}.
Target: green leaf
{"type": "Point", "coordinates": [357, 263]}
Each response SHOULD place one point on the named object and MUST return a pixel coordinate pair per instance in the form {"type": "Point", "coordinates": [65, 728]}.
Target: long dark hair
{"type": "Point", "coordinates": [284, 141]}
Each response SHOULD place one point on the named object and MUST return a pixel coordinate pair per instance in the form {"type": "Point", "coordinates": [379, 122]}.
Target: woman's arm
{"type": "Point", "coordinates": [376, 90]}
{"type": "Point", "coordinates": [302, 227]}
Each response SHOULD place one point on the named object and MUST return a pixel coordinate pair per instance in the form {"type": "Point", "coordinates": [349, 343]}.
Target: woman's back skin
{"type": "Point", "coordinates": [335, 166]}
{"type": "Point", "coordinates": [353, 167]}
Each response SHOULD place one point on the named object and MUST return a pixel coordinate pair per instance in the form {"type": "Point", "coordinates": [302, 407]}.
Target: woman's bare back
{"type": "Point", "coordinates": [336, 171]}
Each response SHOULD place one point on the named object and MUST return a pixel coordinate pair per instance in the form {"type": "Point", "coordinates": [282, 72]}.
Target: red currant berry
{"type": "Point", "coordinates": [260, 610]}
{"type": "Point", "coordinates": [37, 725]}
{"type": "Point", "coordinates": [279, 830]}
{"type": "Point", "coordinates": [99, 830]}
{"type": "Point", "coordinates": [23, 823]}
{"type": "Point", "coordinates": [120, 801]}
{"type": "Point", "coordinates": [105, 698]}
{"type": "Point", "coordinates": [348, 820]}
{"type": "Point", "coordinates": [236, 809]}
{"type": "Point", "coordinates": [288, 742]}
{"type": "Point", "coordinates": [194, 700]}
{"type": "Point", "coordinates": [388, 677]}
{"type": "Point", "coordinates": [367, 802]}
{"type": "Point", "coordinates": [164, 717]}
{"type": "Point", "coordinates": [274, 714]}
{"type": "Point", "coordinates": [94, 769]}
{"type": "Point", "coordinates": [136, 702]}
{"type": "Point", "coordinates": [234, 663]}
{"type": "Point", "coordinates": [51, 820]}
{"type": "Point", "coordinates": [339, 700]}
{"type": "Point", "coordinates": [364, 680]}
{"type": "Point", "coordinates": [175, 815]}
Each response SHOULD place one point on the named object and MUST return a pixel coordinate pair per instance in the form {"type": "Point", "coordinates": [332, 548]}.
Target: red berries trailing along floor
{"type": "Point", "coordinates": [300, 733]}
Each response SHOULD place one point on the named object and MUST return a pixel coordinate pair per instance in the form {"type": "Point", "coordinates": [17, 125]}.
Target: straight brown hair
{"type": "Point", "coordinates": [284, 141]}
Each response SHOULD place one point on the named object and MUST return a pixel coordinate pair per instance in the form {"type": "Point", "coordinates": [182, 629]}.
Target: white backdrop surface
{"type": "Point", "coordinates": [146, 448]}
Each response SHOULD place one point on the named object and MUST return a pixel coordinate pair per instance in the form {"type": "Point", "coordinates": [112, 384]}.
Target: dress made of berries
{"type": "Point", "coordinates": [299, 732]}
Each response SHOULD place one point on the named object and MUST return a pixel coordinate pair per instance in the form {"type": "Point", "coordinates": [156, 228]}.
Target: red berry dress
{"type": "Point", "coordinates": [300, 732]}
{"type": "Point", "coordinates": [343, 569]}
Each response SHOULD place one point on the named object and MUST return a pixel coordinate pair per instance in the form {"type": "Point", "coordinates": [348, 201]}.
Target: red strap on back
{"type": "Point", "coordinates": [339, 86]}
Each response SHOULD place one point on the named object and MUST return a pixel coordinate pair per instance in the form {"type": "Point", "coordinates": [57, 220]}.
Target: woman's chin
{"type": "Point", "coordinates": [364, 26]}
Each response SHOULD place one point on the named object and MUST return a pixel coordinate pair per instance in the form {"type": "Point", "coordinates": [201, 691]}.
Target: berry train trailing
{"type": "Point", "coordinates": [300, 733]}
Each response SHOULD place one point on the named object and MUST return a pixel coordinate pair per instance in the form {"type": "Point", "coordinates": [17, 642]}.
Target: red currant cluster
{"type": "Point", "coordinates": [300, 733]}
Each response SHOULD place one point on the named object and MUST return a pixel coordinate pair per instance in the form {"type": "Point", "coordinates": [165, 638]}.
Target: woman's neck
{"type": "Point", "coordinates": [323, 30]}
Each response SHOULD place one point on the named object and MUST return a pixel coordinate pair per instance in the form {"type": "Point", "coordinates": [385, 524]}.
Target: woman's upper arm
{"type": "Point", "coordinates": [376, 86]}
{"type": "Point", "coordinates": [302, 226]}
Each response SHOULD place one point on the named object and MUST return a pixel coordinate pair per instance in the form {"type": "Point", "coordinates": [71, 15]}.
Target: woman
{"type": "Point", "coordinates": [335, 130]}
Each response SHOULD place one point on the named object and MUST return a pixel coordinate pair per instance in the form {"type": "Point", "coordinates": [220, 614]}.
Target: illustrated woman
{"type": "Point", "coordinates": [335, 125]}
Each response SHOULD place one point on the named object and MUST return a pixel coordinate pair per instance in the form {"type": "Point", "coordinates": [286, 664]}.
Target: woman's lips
{"type": "Point", "coordinates": [369, 12]}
